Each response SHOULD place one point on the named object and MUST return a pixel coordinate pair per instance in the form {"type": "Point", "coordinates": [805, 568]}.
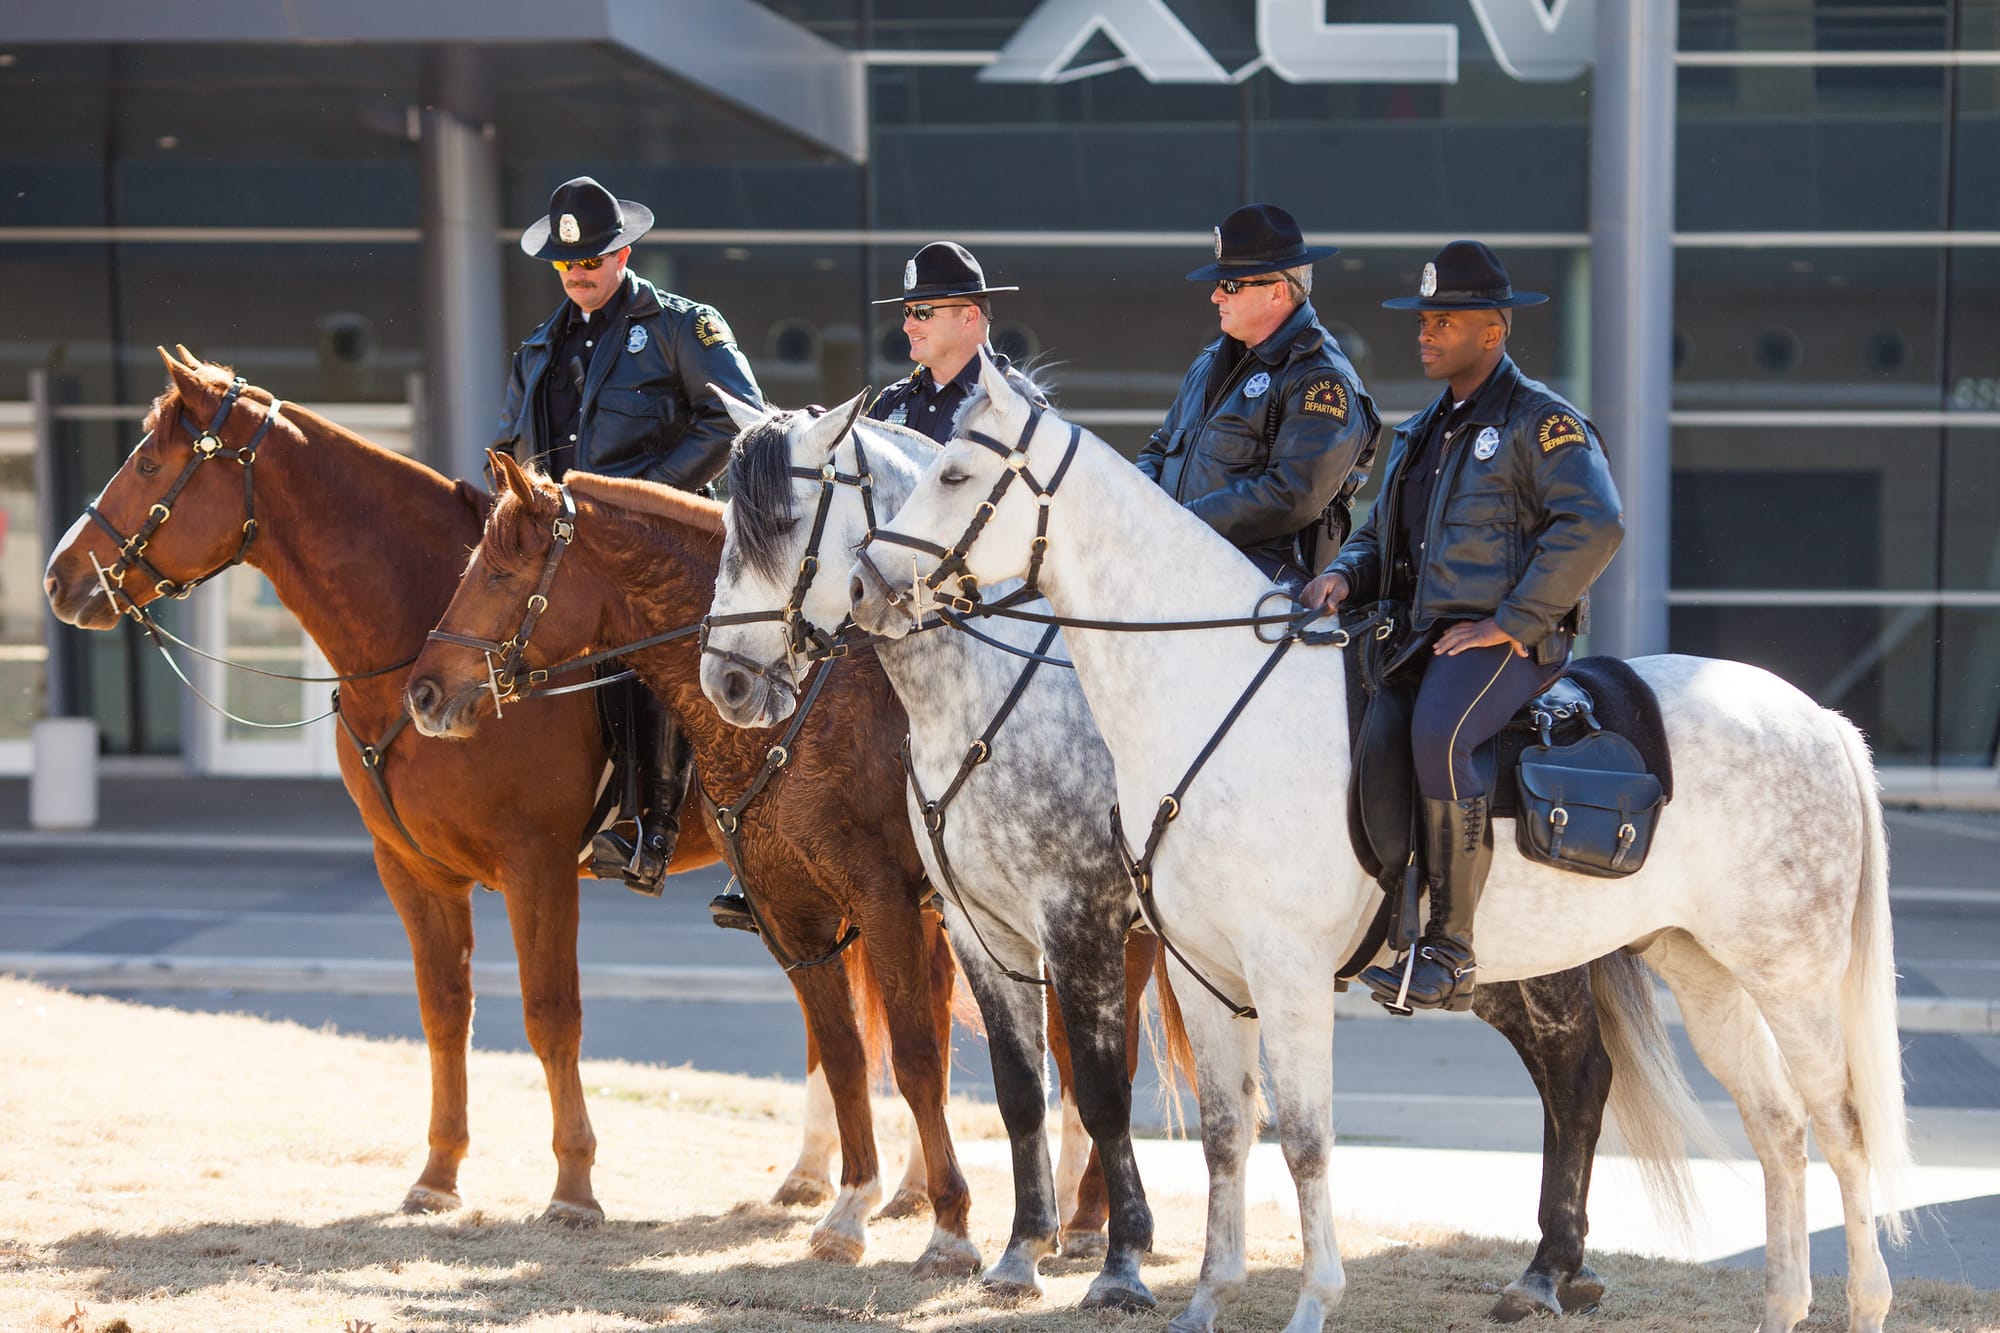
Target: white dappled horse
{"type": "Point", "coordinates": [1764, 902]}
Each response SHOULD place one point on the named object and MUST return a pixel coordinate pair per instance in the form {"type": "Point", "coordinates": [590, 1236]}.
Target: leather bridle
{"type": "Point", "coordinates": [207, 445]}
{"type": "Point", "coordinates": [505, 677]}
{"type": "Point", "coordinates": [951, 559]}
{"type": "Point", "coordinates": [803, 639]}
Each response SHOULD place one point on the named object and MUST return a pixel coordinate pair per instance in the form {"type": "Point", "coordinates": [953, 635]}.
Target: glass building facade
{"type": "Point", "coordinates": [1835, 344]}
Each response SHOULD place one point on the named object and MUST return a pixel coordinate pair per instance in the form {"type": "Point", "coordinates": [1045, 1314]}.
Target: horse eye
{"type": "Point", "coordinates": [146, 466]}
{"type": "Point", "coordinates": [953, 478]}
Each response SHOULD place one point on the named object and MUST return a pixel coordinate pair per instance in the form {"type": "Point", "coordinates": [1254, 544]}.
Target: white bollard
{"type": "Point", "coordinates": [62, 792]}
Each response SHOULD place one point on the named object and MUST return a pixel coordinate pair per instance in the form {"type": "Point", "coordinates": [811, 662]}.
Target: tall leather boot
{"type": "Point", "coordinates": [665, 767]}
{"type": "Point", "coordinates": [1438, 974]}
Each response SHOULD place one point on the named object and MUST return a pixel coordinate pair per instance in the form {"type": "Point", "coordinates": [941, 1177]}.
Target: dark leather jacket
{"type": "Point", "coordinates": [1518, 534]}
{"type": "Point", "coordinates": [929, 408]}
{"type": "Point", "coordinates": [647, 411]}
{"type": "Point", "coordinates": [1260, 450]}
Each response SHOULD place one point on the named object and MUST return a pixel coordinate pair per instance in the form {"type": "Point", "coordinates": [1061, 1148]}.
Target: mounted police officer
{"type": "Point", "coordinates": [948, 317]}
{"type": "Point", "coordinates": [614, 382]}
{"type": "Point", "coordinates": [1497, 514]}
{"type": "Point", "coordinates": [1271, 433]}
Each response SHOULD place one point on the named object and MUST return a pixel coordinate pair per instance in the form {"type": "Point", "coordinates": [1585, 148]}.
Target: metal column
{"type": "Point", "coordinates": [1632, 307]}
{"type": "Point", "coordinates": [464, 349]}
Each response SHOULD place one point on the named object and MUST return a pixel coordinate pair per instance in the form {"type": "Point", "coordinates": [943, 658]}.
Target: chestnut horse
{"type": "Point", "coordinates": [824, 848]}
{"type": "Point", "coordinates": [365, 547]}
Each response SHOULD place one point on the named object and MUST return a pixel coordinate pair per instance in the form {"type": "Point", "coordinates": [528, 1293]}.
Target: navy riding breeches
{"type": "Point", "coordinates": [1463, 702]}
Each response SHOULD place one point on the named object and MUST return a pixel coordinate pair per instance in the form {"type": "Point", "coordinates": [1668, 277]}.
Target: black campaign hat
{"type": "Point", "coordinates": [940, 269]}
{"type": "Point", "coordinates": [585, 220]}
{"type": "Point", "coordinates": [1465, 275]}
{"type": "Point", "coordinates": [1259, 238]}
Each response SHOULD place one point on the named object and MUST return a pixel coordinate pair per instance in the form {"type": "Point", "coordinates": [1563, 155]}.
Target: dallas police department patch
{"type": "Point", "coordinates": [1328, 397]}
{"type": "Point", "coordinates": [635, 341]}
{"type": "Point", "coordinates": [1558, 429]}
{"type": "Point", "coordinates": [710, 329]}
{"type": "Point", "coordinates": [1254, 386]}
{"type": "Point", "coordinates": [1487, 445]}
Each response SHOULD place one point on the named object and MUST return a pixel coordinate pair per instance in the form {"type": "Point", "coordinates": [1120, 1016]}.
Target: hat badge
{"type": "Point", "coordinates": [1218, 242]}
{"type": "Point", "coordinates": [909, 274]}
{"type": "Point", "coordinates": [567, 230]}
{"type": "Point", "coordinates": [1429, 286]}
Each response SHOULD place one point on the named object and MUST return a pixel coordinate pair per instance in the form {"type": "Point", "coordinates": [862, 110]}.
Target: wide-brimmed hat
{"type": "Point", "coordinates": [941, 269]}
{"type": "Point", "coordinates": [585, 220]}
{"type": "Point", "coordinates": [1465, 275]}
{"type": "Point", "coordinates": [1259, 238]}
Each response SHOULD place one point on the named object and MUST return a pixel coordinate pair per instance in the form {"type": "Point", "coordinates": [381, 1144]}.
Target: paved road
{"type": "Point", "coordinates": [261, 898]}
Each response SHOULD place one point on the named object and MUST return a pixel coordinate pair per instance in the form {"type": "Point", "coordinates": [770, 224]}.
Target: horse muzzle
{"type": "Point", "coordinates": [77, 597]}
{"type": "Point", "coordinates": [744, 698]}
{"type": "Point", "coordinates": [448, 716]}
{"type": "Point", "coordinates": [876, 607]}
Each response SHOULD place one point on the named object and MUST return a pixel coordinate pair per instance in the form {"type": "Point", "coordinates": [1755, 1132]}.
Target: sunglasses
{"type": "Point", "coordinates": [1231, 286]}
{"type": "Point", "coordinates": [924, 313]}
{"type": "Point", "coordinates": [588, 265]}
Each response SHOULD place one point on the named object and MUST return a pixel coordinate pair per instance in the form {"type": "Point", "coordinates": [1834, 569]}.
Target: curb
{"type": "Point", "coordinates": [124, 973]}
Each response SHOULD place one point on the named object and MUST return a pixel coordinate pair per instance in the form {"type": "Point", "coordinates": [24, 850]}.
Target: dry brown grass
{"type": "Point", "coordinates": [162, 1172]}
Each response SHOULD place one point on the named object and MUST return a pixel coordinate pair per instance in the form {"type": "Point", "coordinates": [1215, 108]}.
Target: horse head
{"type": "Point", "coordinates": [517, 609]}
{"type": "Point", "coordinates": [976, 517]}
{"type": "Point", "coordinates": [181, 508]}
{"type": "Point", "coordinates": [804, 486]}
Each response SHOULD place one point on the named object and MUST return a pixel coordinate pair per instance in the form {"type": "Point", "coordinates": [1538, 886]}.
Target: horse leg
{"type": "Point", "coordinates": [1080, 1192]}
{"type": "Point", "coordinates": [438, 920]}
{"type": "Point", "coordinates": [810, 1181]}
{"type": "Point", "coordinates": [898, 958]}
{"type": "Point", "coordinates": [1551, 1022]}
{"type": "Point", "coordinates": [826, 996]}
{"type": "Point", "coordinates": [1732, 1039]}
{"type": "Point", "coordinates": [913, 1194]}
{"type": "Point", "coordinates": [1225, 1050]}
{"type": "Point", "coordinates": [544, 925]}
{"type": "Point", "coordinates": [1014, 1013]}
{"type": "Point", "coordinates": [1300, 1054]}
{"type": "Point", "coordinates": [1093, 987]}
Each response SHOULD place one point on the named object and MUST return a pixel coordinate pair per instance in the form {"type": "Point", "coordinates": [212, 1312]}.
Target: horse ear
{"type": "Point", "coordinates": [743, 414]}
{"type": "Point", "coordinates": [993, 379]}
{"type": "Point", "coordinates": [510, 474]}
{"type": "Point", "coordinates": [826, 431]}
{"type": "Point", "coordinates": [187, 358]}
{"type": "Point", "coordinates": [183, 376]}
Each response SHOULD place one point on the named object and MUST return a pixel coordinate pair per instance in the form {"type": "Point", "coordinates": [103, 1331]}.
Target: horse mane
{"type": "Point", "coordinates": [760, 489]}
{"type": "Point", "coordinates": [651, 497]}
{"type": "Point", "coordinates": [626, 514]}
{"type": "Point", "coordinates": [1028, 380]}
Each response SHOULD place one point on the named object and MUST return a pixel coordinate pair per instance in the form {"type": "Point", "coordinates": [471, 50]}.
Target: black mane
{"type": "Point", "coordinates": [760, 493]}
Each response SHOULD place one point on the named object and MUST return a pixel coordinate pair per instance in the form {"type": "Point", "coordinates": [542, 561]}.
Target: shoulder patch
{"type": "Point", "coordinates": [710, 329]}
{"type": "Point", "coordinates": [1328, 397]}
{"type": "Point", "coordinates": [1558, 429]}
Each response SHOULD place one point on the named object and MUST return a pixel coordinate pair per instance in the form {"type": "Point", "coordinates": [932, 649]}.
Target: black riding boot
{"type": "Point", "coordinates": [1458, 845]}
{"type": "Point", "coordinates": [666, 769]}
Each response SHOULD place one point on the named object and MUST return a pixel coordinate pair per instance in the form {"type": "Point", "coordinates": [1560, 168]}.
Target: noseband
{"type": "Point", "coordinates": [951, 559]}
{"type": "Point", "coordinates": [803, 639]}
{"type": "Point", "coordinates": [505, 679]}
{"type": "Point", "coordinates": [207, 445]}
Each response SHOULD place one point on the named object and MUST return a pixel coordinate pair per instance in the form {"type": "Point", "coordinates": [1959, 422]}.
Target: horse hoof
{"type": "Point", "coordinates": [948, 1256]}
{"type": "Point", "coordinates": [1080, 1244]}
{"type": "Point", "coordinates": [803, 1192]}
{"type": "Point", "coordinates": [907, 1203]}
{"type": "Point", "coordinates": [423, 1199]}
{"type": "Point", "coordinates": [1012, 1286]}
{"type": "Point", "coordinates": [837, 1247]}
{"type": "Point", "coordinates": [577, 1217]}
{"type": "Point", "coordinates": [1581, 1294]}
{"type": "Point", "coordinates": [1130, 1297]}
{"type": "Point", "coordinates": [1190, 1322]}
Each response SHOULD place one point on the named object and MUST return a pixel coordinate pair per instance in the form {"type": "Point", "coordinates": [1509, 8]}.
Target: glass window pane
{"type": "Point", "coordinates": [1969, 687]}
{"type": "Point", "coordinates": [1805, 507]}
{"type": "Point", "coordinates": [1971, 542]}
{"type": "Point", "coordinates": [1972, 348]}
{"type": "Point", "coordinates": [1878, 665]}
{"type": "Point", "coordinates": [1811, 328]}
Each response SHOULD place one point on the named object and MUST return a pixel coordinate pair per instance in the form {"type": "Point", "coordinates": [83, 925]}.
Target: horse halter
{"type": "Point", "coordinates": [951, 559]}
{"type": "Point", "coordinates": [803, 639]}
{"type": "Point", "coordinates": [207, 445]}
{"type": "Point", "coordinates": [505, 679]}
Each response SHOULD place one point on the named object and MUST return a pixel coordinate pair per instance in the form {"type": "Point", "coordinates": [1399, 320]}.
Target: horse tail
{"type": "Point", "coordinates": [871, 1014]}
{"type": "Point", "coordinates": [1656, 1110]}
{"type": "Point", "coordinates": [1172, 1052]}
{"type": "Point", "coordinates": [1868, 1001]}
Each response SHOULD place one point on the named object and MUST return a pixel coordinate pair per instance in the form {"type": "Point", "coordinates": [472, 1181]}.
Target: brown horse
{"type": "Point", "coordinates": [825, 850]}
{"type": "Point", "coordinates": [365, 548]}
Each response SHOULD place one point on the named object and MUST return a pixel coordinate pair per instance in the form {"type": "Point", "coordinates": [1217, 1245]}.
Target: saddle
{"type": "Point", "coordinates": [1583, 768]}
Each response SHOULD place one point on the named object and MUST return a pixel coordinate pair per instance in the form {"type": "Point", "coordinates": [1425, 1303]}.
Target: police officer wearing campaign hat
{"type": "Point", "coordinates": [616, 382]}
{"type": "Point", "coordinates": [1496, 515]}
{"type": "Point", "coordinates": [947, 317]}
{"type": "Point", "coordinates": [1271, 433]}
